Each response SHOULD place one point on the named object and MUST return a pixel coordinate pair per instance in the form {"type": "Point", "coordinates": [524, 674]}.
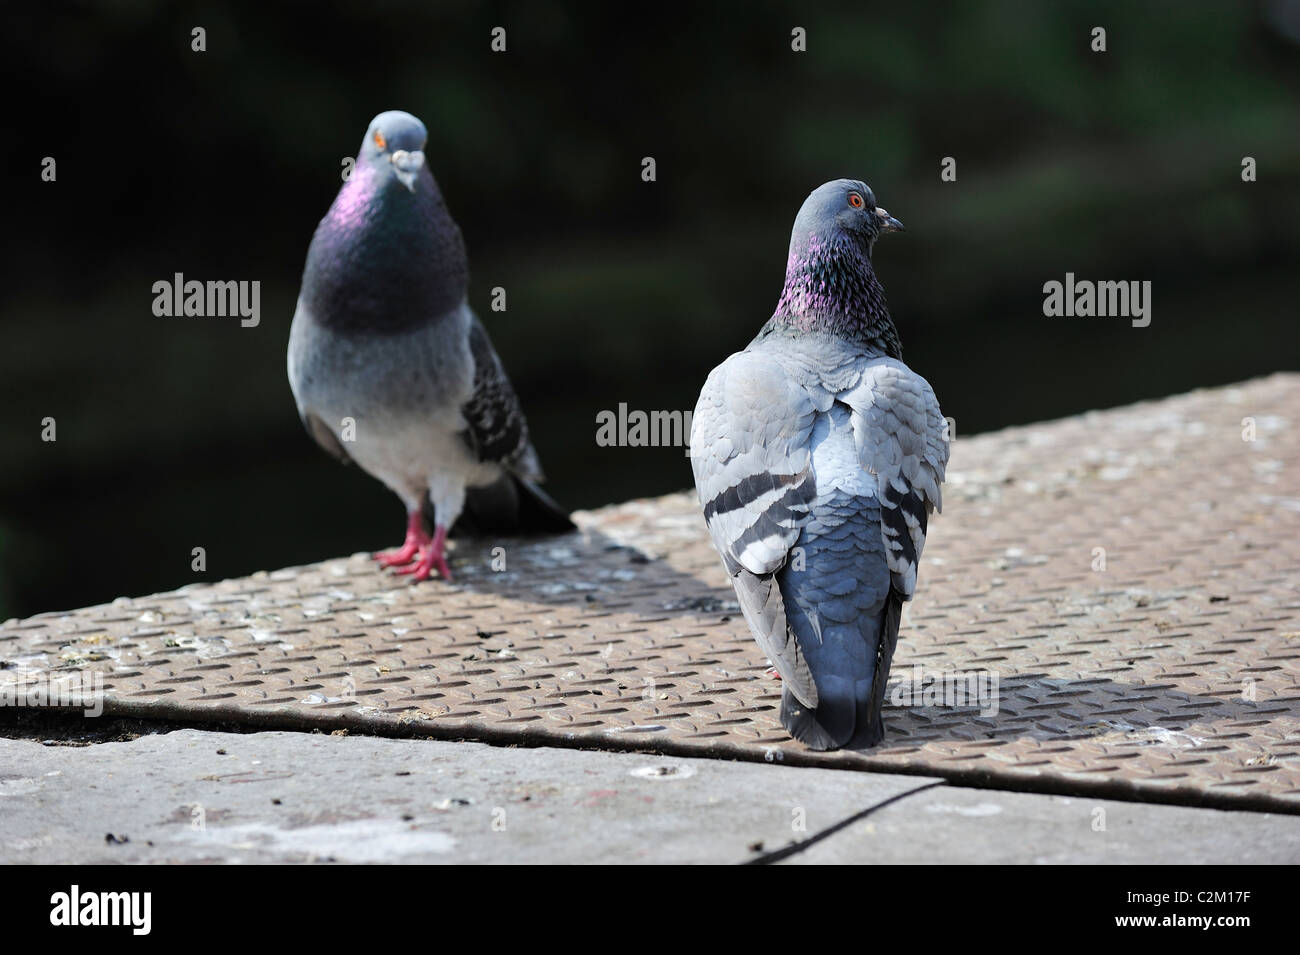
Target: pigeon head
{"type": "Point", "coordinates": [830, 284]}
{"type": "Point", "coordinates": [394, 146]}
{"type": "Point", "coordinates": [845, 208]}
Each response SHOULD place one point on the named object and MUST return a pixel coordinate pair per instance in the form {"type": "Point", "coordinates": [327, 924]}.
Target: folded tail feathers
{"type": "Point", "coordinates": [848, 714]}
{"type": "Point", "coordinates": [538, 512]}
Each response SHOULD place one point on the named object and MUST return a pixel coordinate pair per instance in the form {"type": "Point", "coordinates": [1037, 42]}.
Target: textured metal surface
{"type": "Point", "coordinates": [1173, 673]}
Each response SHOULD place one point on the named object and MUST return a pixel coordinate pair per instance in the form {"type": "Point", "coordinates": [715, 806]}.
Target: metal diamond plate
{"type": "Point", "coordinates": [1170, 674]}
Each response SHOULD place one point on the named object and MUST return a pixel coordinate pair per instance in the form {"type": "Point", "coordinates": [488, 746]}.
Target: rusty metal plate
{"type": "Point", "coordinates": [1165, 667]}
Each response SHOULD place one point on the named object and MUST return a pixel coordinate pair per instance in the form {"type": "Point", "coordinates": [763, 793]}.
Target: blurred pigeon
{"type": "Point", "coordinates": [818, 456]}
{"type": "Point", "coordinates": [391, 369]}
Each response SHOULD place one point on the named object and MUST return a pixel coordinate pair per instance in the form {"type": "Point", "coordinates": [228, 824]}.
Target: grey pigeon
{"type": "Point", "coordinates": [818, 456]}
{"type": "Point", "coordinates": [392, 370]}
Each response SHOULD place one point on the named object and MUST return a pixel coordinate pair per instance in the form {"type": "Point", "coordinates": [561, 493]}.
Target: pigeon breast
{"type": "Point", "coordinates": [384, 258]}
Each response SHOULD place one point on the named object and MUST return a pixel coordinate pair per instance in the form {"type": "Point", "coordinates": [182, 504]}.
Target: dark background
{"type": "Point", "coordinates": [181, 432]}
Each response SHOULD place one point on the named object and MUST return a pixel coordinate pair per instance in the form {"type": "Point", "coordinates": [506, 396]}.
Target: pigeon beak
{"type": "Point", "coordinates": [887, 222]}
{"type": "Point", "coordinates": [407, 166]}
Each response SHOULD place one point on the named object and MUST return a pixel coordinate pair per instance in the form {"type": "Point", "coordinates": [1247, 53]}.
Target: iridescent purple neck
{"type": "Point", "coordinates": [384, 259]}
{"type": "Point", "coordinates": [831, 287]}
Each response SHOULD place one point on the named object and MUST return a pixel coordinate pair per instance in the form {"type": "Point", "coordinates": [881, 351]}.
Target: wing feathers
{"type": "Point", "coordinates": [900, 436]}
{"type": "Point", "coordinates": [496, 429]}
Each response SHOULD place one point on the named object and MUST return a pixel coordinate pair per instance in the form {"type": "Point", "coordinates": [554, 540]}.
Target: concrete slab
{"type": "Point", "coordinates": [200, 796]}
{"type": "Point", "coordinates": [952, 825]}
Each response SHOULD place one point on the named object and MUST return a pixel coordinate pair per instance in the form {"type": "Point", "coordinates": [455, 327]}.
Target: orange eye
{"type": "Point", "coordinates": [855, 200]}
{"type": "Point", "coordinates": [379, 140]}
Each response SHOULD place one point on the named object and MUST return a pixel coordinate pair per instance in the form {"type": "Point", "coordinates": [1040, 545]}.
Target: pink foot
{"type": "Point", "coordinates": [432, 557]}
{"type": "Point", "coordinates": [416, 540]}
{"type": "Point", "coordinates": [771, 673]}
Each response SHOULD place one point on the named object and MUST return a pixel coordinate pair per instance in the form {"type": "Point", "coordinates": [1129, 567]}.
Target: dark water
{"type": "Point", "coordinates": [179, 433]}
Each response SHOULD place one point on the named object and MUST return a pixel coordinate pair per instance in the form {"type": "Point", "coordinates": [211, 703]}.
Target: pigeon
{"type": "Point", "coordinates": [818, 456]}
{"type": "Point", "coordinates": [390, 368]}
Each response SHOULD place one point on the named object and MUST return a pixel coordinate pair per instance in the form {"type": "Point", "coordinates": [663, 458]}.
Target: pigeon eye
{"type": "Point", "coordinates": [855, 200]}
{"type": "Point", "coordinates": [380, 141]}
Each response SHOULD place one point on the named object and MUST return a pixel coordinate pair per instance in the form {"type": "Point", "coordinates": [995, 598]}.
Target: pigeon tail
{"type": "Point", "coordinates": [538, 513]}
{"type": "Point", "coordinates": [511, 505]}
{"type": "Point", "coordinates": [848, 712]}
{"type": "Point", "coordinates": [841, 608]}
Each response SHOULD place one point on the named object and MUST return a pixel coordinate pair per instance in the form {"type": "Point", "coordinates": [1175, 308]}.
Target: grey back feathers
{"type": "Point", "coordinates": [818, 456]}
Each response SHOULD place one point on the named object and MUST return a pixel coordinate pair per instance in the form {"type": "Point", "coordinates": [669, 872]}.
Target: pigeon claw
{"type": "Point", "coordinates": [416, 541]}
{"type": "Point", "coordinates": [400, 557]}
{"type": "Point", "coordinates": [432, 557]}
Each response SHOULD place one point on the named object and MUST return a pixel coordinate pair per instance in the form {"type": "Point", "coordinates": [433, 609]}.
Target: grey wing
{"type": "Point", "coordinates": [495, 425]}
{"type": "Point", "coordinates": [902, 439]}
{"type": "Point", "coordinates": [753, 471]}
